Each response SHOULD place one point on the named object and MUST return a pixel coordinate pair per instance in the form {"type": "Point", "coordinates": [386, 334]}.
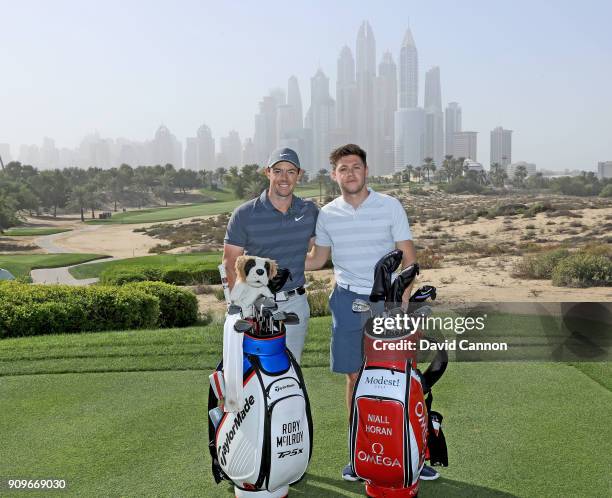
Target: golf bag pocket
{"type": "Point", "coordinates": [289, 440]}
{"type": "Point", "coordinates": [379, 440]}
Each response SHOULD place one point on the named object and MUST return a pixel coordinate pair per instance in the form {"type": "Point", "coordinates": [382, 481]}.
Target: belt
{"type": "Point", "coordinates": [285, 295]}
{"type": "Point", "coordinates": [356, 289]}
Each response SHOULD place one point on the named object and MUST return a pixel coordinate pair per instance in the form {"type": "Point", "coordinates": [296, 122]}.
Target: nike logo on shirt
{"type": "Point", "coordinates": [298, 219]}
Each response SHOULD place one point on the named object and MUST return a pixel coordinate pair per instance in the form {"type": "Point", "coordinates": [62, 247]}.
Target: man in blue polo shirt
{"type": "Point", "coordinates": [357, 229]}
{"type": "Point", "coordinates": [280, 226]}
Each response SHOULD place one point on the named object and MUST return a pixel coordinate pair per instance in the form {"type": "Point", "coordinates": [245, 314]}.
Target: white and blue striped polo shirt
{"type": "Point", "coordinates": [360, 237]}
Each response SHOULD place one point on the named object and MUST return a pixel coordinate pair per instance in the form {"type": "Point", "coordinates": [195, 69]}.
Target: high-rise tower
{"type": "Point", "coordinates": [385, 105]}
{"type": "Point", "coordinates": [321, 119]}
{"type": "Point", "coordinates": [346, 96]}
{"type": "Point", "coordinates": [453, 125]}
{"type": "Point", "coordinates": [409, 73]}
{"type": "Point", "coordinates": [501, 146]}
{"type": "Point", "coordinates": [434, 119]}
{"type": "Point", "coordinates": [365, 76]}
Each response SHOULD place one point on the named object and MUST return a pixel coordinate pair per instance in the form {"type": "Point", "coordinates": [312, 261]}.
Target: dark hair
{"type": "Point", "coordinates": [347, 150]}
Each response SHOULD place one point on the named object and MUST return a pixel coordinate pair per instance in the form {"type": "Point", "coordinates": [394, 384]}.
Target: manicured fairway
{"type": "Point", "coordinates": [20, 265]}
{"type": "Point", "coordinates": [111, 426]}
{"type": "Point", "coordinates": [94, 269]}
{"type": "Point", "coordinates": [32, 231]}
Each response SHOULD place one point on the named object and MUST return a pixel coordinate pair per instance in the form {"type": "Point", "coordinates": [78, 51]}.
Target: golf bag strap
{"type": "Point", "coordinates": [218, 473]}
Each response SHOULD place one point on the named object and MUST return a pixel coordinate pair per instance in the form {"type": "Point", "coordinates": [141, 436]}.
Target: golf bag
{"type": "Point", "coordinates": [393, 429]}
{"type": "Point", "coordinates": [267, 444]}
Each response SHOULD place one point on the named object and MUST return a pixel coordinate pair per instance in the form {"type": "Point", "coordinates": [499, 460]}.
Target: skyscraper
{"type": "Point", "coordinates": [465, 144]}
{"type": "Point", "coordinates": [385, 105]}
{"type": "Point", "coordinates": [409, 73]}
{"type": "Point", "coordinates": [206, 149]}
{"type": "Point", "coordinates": [321, 119]}
{"type": "Point", "coordinates": [409, 118]}
{"type": "Point", "coordinates": [5, 153]}
{"type": "Point", "coordinates": [166, 149]}
{"type": "Point", "coordinates": [346, 96]}
{"type": "Point", "coordinates": [434, 119]}
{"type": "Point", "coordinates": [365, 76]}
{"type": "Point", "coordinates": [453, 125]}
{"type": "Point", "coordinates": [409, 137]}
{"type": "Point", "coordinates": [501, 146]}
{"type": "Point", "coordinates": [265, 135]}
{"type": "Point", "coordinates": [191, 153]}
{"type": "Point", "coordinates": [294, 99]}
{"type": "Point", "coordinates": [231, 149]}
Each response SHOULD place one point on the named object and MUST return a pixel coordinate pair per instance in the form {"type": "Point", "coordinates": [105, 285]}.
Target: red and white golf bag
{"type": "Point", "coordinates": [392, 428]}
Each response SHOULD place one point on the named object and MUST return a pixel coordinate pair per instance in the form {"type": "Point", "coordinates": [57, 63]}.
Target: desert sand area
{"type": "Point", "coordinates": [473, 243]}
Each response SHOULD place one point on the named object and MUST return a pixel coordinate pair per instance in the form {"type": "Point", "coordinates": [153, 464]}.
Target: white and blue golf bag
{"type": "Point", "coordinates": [266, 443]}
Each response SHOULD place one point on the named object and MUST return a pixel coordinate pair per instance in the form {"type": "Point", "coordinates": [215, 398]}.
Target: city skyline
{"type": "Point", "coordinates": [547, 88]}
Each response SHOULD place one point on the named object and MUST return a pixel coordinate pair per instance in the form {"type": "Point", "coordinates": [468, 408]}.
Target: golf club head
{"type": "Point", "coordinates": [265, 302]}
{"type": "Point", "coordinates": [382, 275]}
{"type": "Point", "coordinates": [360, 306]}
{"type": "Point", "coordinates": [242, 326]}
{"type": "Point", "coordinates": [401, 283]}
{"type": "Point", "coordinates": [233, 309]}
{"type": "Point", "coordinates": [276, 283]}
{"type": "Point", "coordinates": [279, 316]}
{"type": "Point", "coordinates": [422, 311]}
{"type": "Point", "coordinates": [292, 318]}
{"type": "Point", "coordinates": [423, 293]}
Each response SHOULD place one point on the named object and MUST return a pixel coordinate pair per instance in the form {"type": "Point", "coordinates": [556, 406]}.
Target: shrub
{"type": "Point", "coordinates": [319, 303]}
{"type": "Point", "coordinates": [38, 309]}
{"type": "Point", "coordinates": [429, 258]}
{"type": "Point", "coordinates": [182, 274]}
{"type": "Point", "coordinates": [540, 266]}
{"type": "Point", "coordinates": [177, 307]}
{"type": "Point", "coordinates": [583, 270]}
{"type": "Point", "coordinates": [606, 191]}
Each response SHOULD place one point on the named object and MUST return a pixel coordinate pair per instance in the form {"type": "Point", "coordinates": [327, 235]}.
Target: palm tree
{"type": "Point", "coordinates": [409, 169]}
{"type": "Point", "coordinates": [418, 170]}
{"type": "Point", "coordinates": [432, 168]}
{"type": "Point", "coordinates": [322, 178]}
{"type": "Point", "coordinates": [427, 166]}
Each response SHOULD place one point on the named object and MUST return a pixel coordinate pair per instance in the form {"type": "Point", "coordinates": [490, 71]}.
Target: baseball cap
{"type": "Point", "coordinates": [284, 154]}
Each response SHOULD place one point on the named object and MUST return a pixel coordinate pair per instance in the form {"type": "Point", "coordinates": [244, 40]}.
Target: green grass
{"type": "Point", "coordinates": [31, 231]}
{"type": "Point", "coordinates": [170, 213]}
{"type": "Point", "coordinates": [138, 426]}
{"type": "Point", "coordinates": [20, 265]}
{"type": "Point", "coordinates": [94, 270]}
{"type": "Point", "coordinates": [219, 195]}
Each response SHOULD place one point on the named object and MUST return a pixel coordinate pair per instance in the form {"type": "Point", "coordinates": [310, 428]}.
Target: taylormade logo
{"type": "Point", "coordinates": [223, 450]}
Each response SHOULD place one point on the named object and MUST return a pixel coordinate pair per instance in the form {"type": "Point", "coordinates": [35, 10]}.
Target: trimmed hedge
{"type": "Point", "coordinates": [184, 274]}
{"type": "Point", "coordinates": [177, 307]}
{"type": "Point", "coordinates": [61, 309]}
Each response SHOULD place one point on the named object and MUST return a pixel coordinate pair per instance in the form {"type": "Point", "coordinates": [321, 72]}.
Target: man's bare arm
{"type": "Point", "coordinates": [230, 254]}
{"type": "Point", "coordinates": [317, 257]}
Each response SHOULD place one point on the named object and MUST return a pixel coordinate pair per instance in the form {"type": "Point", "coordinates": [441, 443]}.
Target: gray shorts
{"type": "Point", "coordinates": [296, 334]}
{"type": "Point", "coordinates": [346, 348]}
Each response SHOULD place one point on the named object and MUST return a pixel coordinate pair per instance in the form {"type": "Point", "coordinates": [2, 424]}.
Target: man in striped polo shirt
{"type": "Point", "coordinates": [280, 226]}
{"type": "Point", "coordinates": [357, 228]}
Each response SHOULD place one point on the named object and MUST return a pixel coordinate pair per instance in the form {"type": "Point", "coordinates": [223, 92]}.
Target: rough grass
{"type": "Point", "coordinates": [31, 231]}
{"type": "Point", "coordinates": [21, 265]}
{"type": "Point", "coordinates": [94, 270]}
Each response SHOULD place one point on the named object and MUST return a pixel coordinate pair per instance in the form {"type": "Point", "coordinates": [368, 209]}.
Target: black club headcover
{"type": "Point", "coordinates": [403, 280]}
{"type": "Point", "coordinates": [424, 293]}
{"type": "Point", "coordinates": [276, 284]}
{"type": "Point", "coordinates": [382, 275]}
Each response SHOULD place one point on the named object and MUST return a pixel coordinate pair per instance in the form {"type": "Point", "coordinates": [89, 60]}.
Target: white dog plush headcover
{"type": "Point", "coordinates": [252, 276]}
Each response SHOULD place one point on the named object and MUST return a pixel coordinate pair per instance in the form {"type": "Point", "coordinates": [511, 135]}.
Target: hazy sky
{"type": "Point", "coordinates": [542, 68]}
